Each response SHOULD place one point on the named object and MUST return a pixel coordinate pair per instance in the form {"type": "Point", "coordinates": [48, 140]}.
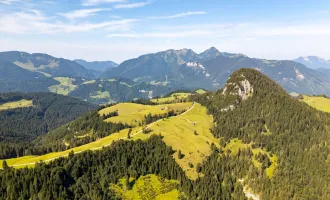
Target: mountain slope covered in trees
{"type": "Point", "coordinates": [19, 126]}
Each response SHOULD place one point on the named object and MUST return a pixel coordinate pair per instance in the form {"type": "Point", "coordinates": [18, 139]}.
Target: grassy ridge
{"type": "Point", "coordinates": [172, 97]}
{"type": "Point", "coordinates": [178, 132]}
{"type": "Point", "coordinates": [318, 102]}
{"type": "Point", "coordinates": [16, 104]}
{"type": "Point", "coordinates": [133, 114]}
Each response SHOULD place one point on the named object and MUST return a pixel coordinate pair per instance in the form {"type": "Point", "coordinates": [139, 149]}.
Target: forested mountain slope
{"type": "Point", "coordinates": [256, 110]}
{"type": "Point", "coordinates": [47, 111]}
{"type": "Point", "coordinates": [16, 79]}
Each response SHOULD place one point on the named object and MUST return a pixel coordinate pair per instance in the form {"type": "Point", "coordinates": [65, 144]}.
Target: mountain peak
{"type": "Point", "coordinates": [314, 62]}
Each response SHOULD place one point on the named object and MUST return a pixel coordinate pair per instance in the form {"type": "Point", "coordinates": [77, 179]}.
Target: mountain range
{"type": "Point", "coordinates": [186, 69]}
{"type": "Point", "coordinates": [152, 74]}
{"type": "Point", "coordinates": [316, 63]}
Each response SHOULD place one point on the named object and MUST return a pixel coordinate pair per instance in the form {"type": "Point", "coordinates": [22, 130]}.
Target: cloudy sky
{"type": "Point", "coordinates": [121, 29]}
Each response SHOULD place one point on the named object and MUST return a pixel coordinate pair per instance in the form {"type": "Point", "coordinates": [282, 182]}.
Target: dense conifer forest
{"type": "Point", "coordinates": [19, 126]}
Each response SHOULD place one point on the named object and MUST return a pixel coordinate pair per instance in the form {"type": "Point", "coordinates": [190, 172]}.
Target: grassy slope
{"type": "Point", "coordinates": [178, 132]}
{"type": "Point", "coordinates": [147, 187]}
{"type": "Point", "coordinates": [65, 87]}
{"type": "Point", "coordinates": [16, 104]}
{"type": "Point", "coordinates": [320, 103]}
{"type": "Point", "coordinates": [174, 96]}
{"type": "Point", "coordinates": [133, 114]}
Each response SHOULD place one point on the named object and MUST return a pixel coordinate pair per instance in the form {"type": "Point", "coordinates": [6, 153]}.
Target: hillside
{"type": "Point", "coordinates": [210, 69]}
{"type": "Point", "coordinates": [116, 90]}
{"type": "Point", "coordinates": [24, 117]}
{"type": "Point", "coordinates": [16, 79]}
{"type": "Point", "coordinates": [319, 102]}
{"type": "Point", "coordinates": [46, 64]}
{"type": "Point", "coordinates": [256, 110]}
{"type": "Point", "coordinates": [253, 139]}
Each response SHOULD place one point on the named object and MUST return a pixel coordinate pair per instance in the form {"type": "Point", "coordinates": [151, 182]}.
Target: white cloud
{"type": "Point", "coordinates": [8, 2]}
{"type": "Point", "coordinates": [34, 22]}
{"type": "Point", "coordinates": [180, 15]}
{"type": "Point", "coordinates": [181, 34]}
{"type": "Point", "coordinates": [132, 5]}
{"type": "Point", "coordinates": [97, 2]}
{"type": "Point", "coordinates": [83, 13]}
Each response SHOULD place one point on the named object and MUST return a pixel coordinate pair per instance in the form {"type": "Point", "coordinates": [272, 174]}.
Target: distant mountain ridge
{"type": "Point", "coordinates": [46, 64]}
{"type": "Point", "coordinates": [100, 66]}
{"type": "Point", "coordinates": [314, 62]}
{"type": "Point", "coordinates": [210, 69]}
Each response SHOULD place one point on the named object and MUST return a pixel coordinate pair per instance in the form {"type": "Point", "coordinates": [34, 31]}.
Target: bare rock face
{"type": "Point", "coordinates": [237, 90]}
{"type": "Point", "coordinates": [246, 89]}
{"type": "Point", "coordinates": [243, 88]}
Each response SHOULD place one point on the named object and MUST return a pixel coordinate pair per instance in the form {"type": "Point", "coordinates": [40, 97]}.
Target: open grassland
{"type": "Point", "coordinates": [16, 104]}
{"type": "Point", "coordinates": [320, 103]}
{"type": "Point", "coordinates": [101, 95]}
{"type": "Point", "coordinates": [65, 87]}
{"type": "Point", "coordinates": [147, 187]}
{"type": "Point", "coordinates": [133, 114]}
{"type": "Point", "coordinates": [172, 97]}
{"type": "Point", "coordinates": [89, 82]}
{"type": "Point", "coordinates": [235, 144]}
{"type": "Point", "coordinates": [178, 132]}
{"type": "Point", "coordinates": [200, 91]}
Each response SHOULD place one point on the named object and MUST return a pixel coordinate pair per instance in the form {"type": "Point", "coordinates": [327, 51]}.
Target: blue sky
{"type": "Point", "coordinates": [121, 29]}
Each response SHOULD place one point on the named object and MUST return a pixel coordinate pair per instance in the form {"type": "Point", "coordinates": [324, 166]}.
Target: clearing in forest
{"type": "Point", "coordinates": [172, 97]}
{"type": "Point", "coordinates": [188, 132]}
{"type": "Point", "coordinates": [147, 187]}
{"type": "Point", "coordinates": [16, 104]}
{"type": "Point", "coordinates": [65, 87]}
{"type": "Point", "coordinates": [133, 114]}
{"type": "Point", "coordinates": [318, 102]}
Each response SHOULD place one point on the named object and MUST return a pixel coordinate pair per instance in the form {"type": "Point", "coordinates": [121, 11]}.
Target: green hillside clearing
{"type": "Point", "coordinates": [318, 102]}
{"type": "Point", "coordinates": [172, 97]}
{"type": "Point", "coordinates": [65, 87]}
{"type": "Point", "coordinates": [147, 187]}
{"type": "Point", "coordinates": [16, 104]}
{"type": "Point", "coordinates": [134, 114]}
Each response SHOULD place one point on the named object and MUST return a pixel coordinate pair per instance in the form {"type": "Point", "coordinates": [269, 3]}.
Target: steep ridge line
{"type": "Point", "coordinates": [96, 148]}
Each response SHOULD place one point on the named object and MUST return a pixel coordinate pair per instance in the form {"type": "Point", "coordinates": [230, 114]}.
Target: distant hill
{"type": "Point", "coordinates": [314, 62]}
{"type": "Point", "coordinates": [47, 112]}
{"type": "Point", "coordinates": [117, 90]}
{"type": "Point", "coordinates": [17, 79]}
{"type": "Point", "coordinates": [99, 66]}
{"type": "Point", "coordinates": [45, 64]}
{"type": "Point", "coordinates": [186, 69]}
